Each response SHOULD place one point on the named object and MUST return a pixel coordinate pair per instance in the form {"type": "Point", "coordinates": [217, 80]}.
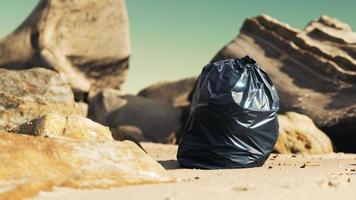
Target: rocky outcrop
{"type": "Point", "coordinates": [31, 164]}
{"type": "Point", "coordinates": [298, 134]}
{"type": "Point", "coordinates": [56, 126]}
{"type": "Point", "coordinates": [52, 125]}
{"type": "Point", "coordinates": [148, 119]}
{"type": "Point", "coordinates": [87, 40]}
{"type": "Point", "coordinates": [173, 92]}
{"type": "Point", "coordinates": [314, 70]}
{"type": "Point", "coordinates": [27, 94]}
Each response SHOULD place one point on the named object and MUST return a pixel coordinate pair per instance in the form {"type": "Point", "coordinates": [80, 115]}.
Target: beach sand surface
{"type": "Point", "coordinates": [327, 176]}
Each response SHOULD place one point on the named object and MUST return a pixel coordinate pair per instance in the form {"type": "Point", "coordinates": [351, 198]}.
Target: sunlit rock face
{"type": "Point", "coordinates": [26, 94]}
{"type": "Point", "coordinates": [73, 126]}
{"type": "Point", "coordinates": [298, 134]}
{"type": "Point", "coordinates": [31, 164]}
{"type": "Point", "coordinates": [86, 40]}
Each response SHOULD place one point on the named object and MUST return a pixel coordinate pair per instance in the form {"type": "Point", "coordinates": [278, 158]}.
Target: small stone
{"type": "Point", "coordinates": [298, 134]}
{"type": "Point", "coordinates": [333, 183]}
{"type": "Point", "coordinates": [240, 188]}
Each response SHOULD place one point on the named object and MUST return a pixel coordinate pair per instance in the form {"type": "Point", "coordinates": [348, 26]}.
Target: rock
{"type": "Point", "coordinates": [314, 70]}
{"type": "Point", "coordinates": [26, 94]}
{"type": "Point", "coordinates": [120, 135]}
{"type": "Point", "coordinates": [56, 126]}
{"type": "Point", "coordinates": [298, 134]}
{"type": "Point", "coordinates": [31, 164]}
{"type": "Point", "coordinates": [327, 22]}
{"type": "Point", "coordinates": [87, 40]}
{"type": "Point", "coordinates": [157, 121]}
{"type": "Point", "coordinates": [83, 107]}
{"type": "Point", "coordinates": [173, 92]}
{"type": "Point", "coordinates": [133, 131]}
{"type": "Point", "coordinates": [52, 125]}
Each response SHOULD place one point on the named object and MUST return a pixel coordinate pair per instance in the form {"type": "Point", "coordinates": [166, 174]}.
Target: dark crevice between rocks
{"type": "Point", "coordinates": [342, 135]}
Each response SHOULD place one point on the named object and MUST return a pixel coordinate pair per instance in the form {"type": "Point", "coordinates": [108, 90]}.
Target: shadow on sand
{"type": "Point", "coordinates": [170, 164]}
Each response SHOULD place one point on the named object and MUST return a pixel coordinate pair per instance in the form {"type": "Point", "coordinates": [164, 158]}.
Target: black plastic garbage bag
{"type": "Point", "coordinates": [233, 117]}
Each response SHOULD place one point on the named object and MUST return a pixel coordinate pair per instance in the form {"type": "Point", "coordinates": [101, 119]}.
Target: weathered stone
{"type": "Point", "coordinates": [173, 92]}
{"type": "Point", "coordinates": [56, 126]}
{"type": "Point", "coordinates": [31, 164]}
{"type": "Point", "coordinates": [26, 94]}
{"type": "Point", "coordinates": [87, 40]}
{"type": "Point", "coordinates": [53, 125]}
{"type": "Point", "coordinates": [121, 135]}
{"type": "Point", "coordinates": [314, 70]}
{"type": "Point", "coordinates": [298, 134]}
{"type": "Point", "coordinates": [133, 131]}
{"type": "Point", "coordinates": [157, 121]}
{"type": "Point", "coordinates": [83, 107]}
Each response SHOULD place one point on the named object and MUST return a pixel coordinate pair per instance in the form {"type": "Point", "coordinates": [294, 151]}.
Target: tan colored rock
{"type": "Point", "coordinates": [326, 21]}
{"type": "Point", "coordinates": [314, 70]}
{"type": "Point", "coordinates": [173, 92]}
{"type": "Point", "coordinates": [87, 40]}
{"type": "Point", "coordinates": [81, 127]}
{"type": "Point", "coordinates": [27, 94]}
{"type": "Point", "coordinates": [31, 164]}
{"type": "Point", "coordinates": [298, 134]}
{"type": "Point", "coordinates": [56, 126]}
{"type": "Point", "coordinates": [83, 107]}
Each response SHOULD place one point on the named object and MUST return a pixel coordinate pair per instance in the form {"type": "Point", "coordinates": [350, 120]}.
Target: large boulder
{"type": "Point", "coordinates": [87, 40]}
{"type": "Point", "coordinates": [298, 134]}
{"type": "Point", "coordinates": [314, 70]}
{"type": "Point", "coordinates": [148, 119]}
{"type": "Point", "coordinates": [31, 164]}
{"type": "Point", "coordinates": [26, 94]}
{"type": "Point", "coordinates": [173, 92]}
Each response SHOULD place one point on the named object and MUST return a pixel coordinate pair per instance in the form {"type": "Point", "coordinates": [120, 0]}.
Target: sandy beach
{"type": "Point", "coordinates": [328, 176]}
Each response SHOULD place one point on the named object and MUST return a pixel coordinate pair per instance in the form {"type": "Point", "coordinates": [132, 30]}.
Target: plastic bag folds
{"type": "Point", "coordinates": [233, 117]}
